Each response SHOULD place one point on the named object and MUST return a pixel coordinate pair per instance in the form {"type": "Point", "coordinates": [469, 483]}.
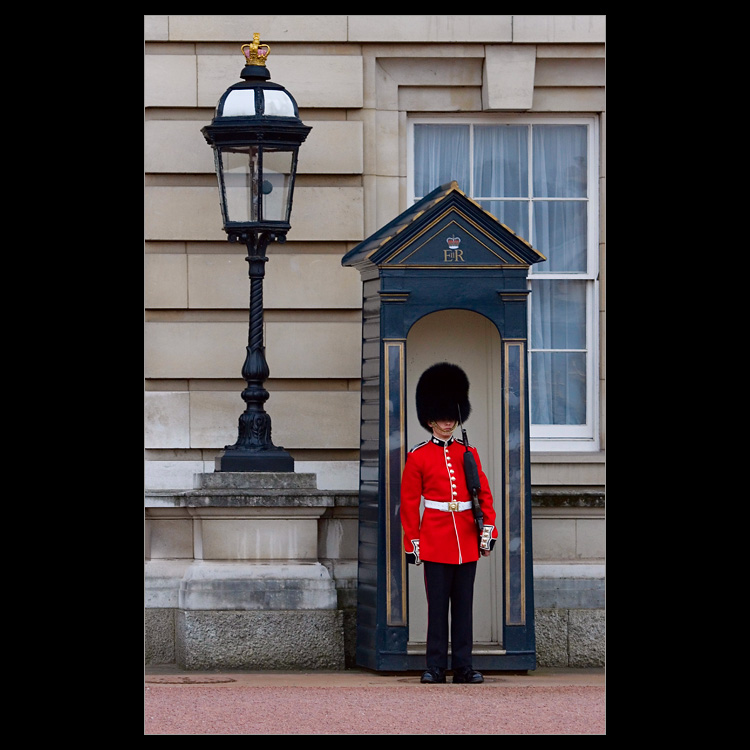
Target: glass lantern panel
{"type": "Point", "coordinates": [240, 168]}
{"type": "Point", "coordinates": [239, 103]}
{"type": "Point", "coordinates": [277, 184]}
{"type": "Point", "coordinates": [278, 104]}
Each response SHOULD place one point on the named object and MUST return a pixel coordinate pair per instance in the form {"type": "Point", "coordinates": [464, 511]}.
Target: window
{"type": "Point", "coordinates": [538, 176]}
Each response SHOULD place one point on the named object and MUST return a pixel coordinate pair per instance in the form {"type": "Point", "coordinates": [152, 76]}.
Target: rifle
{"type": "Point", "coordinates": [472, 482]}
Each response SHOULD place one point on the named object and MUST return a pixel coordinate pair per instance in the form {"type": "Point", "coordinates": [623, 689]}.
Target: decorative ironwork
{"type": "Point", "coordinates": [254, 428]}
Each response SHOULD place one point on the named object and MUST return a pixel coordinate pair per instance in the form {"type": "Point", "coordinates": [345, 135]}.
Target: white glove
{"type": "Point", "coordinates": [487, 542]}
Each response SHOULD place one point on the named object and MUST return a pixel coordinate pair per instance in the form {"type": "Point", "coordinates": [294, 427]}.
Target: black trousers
{"type": "Point", "coordinates": [449, 587]}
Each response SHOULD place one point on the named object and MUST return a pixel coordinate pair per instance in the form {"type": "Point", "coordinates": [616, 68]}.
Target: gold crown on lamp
{"type": "Point", "coordinates": [256, 53]}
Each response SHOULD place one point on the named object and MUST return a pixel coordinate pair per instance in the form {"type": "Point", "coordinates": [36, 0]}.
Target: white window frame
{"type": "Point", "coordinates": [552, 438]}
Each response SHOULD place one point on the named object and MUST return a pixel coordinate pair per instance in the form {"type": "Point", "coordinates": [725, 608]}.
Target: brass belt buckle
{"type": "Point", "coordinates": [452, 505]}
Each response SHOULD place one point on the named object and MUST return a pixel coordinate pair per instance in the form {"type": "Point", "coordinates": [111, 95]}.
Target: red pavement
{"type": "Point", "coordinates": [545, 701]}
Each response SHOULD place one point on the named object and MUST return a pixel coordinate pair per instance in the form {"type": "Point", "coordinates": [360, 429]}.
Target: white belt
{"type": "Point", "coordinates": [435, 505]}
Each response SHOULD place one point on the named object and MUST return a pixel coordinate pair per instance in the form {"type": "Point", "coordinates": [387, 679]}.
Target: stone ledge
{"type": "Point", "coordinates": [284, 498]}
{"type": "Point", "coordinates": [239, 586]}
{"type": "Point", "coordinates": [224, 480]}
{"type": "Point", "coordinates": [569, 593]}
{"type": "Point", "coordinates": [551, 498]}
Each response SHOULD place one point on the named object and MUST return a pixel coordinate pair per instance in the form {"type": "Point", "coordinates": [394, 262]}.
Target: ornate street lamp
{"type": "Point", "coordinates": [256, 134]}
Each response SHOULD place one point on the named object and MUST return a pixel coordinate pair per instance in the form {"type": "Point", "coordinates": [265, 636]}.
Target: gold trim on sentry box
{"type": "Point", "coordinates": [393, 348]}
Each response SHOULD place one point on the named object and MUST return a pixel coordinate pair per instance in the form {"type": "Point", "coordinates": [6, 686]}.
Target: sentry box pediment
{"type": "Point", "coordinates": [444, 229]}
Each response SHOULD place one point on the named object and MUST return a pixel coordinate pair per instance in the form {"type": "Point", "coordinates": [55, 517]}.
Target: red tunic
{"type": "Point", "coordinates": [435, 470]}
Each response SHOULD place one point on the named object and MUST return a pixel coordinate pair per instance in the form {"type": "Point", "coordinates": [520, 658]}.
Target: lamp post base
{"type": "Point", "coordinates": [275, 459]}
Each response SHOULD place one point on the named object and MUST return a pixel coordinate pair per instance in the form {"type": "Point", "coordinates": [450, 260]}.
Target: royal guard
{"type": "Point", "coordinates": [458, 523]}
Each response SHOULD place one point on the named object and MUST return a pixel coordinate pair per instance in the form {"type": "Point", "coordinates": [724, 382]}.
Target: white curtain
{"type": "Point", "coordinates": [560, 235]}
{"type": "Point", "coordinates": [558, 307]}
{"type": "Point", "coordinates": [501, 170]}
{"type": "Point", "coordinates": [505, 180]}
{"type": "Point", "coordinates": [560, 161]}
{"type": "Point", "coordinates": [501, 161]}
{"type": "Point", "coordinates": [558, 380]}
{"type": "Point", "coordinates": [560, 172]}
{"type": "Point", "coordinates": [441, 154]}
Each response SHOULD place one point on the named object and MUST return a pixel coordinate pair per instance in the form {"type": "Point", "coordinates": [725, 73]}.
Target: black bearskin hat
{"type": "Point", "coordinates": [442, 390]}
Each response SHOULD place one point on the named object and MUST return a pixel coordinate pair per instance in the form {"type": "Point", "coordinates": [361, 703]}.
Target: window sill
{"type": "Point", "coordinates": [568, 457]}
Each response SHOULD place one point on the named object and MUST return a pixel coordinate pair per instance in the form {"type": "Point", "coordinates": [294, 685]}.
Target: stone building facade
{"type": "Point", "coordinates": [363, 83]}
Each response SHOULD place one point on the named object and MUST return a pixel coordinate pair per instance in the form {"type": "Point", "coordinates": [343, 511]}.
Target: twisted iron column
{"type": "Point", "coordinates": [254, 450]}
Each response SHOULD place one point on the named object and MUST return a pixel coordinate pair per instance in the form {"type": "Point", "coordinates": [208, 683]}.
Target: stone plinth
{"type": "Point", "coordinates": [236, 561]}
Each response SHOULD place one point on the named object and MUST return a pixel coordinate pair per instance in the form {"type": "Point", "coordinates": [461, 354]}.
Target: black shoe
{"type": "Point", "coordinates": [433, 676]}
{"type": "Point", "coordinates": [467, 676]}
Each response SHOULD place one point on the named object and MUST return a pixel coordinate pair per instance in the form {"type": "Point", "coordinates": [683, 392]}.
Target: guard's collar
{"type": "Point", "coordinates": [443, 443]}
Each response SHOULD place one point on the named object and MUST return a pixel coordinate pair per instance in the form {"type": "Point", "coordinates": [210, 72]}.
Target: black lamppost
{"type": "Point", "coordinates": [256, 134]}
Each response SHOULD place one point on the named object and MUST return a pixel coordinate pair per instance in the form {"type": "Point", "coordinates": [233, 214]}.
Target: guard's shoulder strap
{"type": "Point", "coordinates": [419, 445]}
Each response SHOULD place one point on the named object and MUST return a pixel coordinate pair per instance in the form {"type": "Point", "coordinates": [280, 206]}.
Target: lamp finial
{"type": "Point", "coordinates": [256, 53]}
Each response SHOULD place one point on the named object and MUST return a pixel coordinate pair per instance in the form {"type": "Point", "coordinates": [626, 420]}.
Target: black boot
{"type": "Point", "coordinates": [433, 676]}
{"type": "Point", "coordinates": [467, 676]}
